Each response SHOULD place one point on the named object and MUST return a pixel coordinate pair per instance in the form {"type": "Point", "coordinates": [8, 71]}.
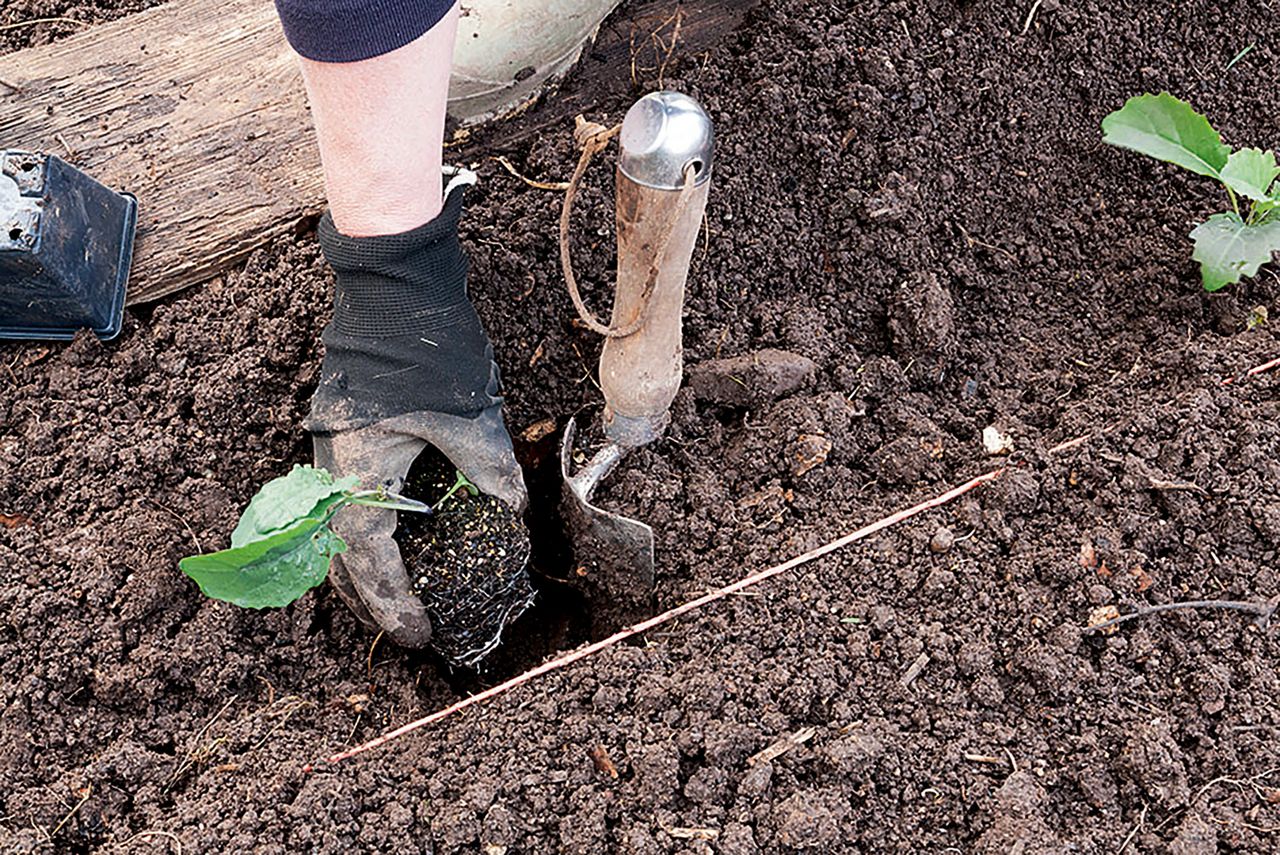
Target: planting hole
{"type": "Point", "coordinates": [14, 234]}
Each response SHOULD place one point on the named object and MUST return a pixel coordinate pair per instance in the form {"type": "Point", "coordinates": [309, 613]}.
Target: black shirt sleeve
{"type": "Point", "coordinates": [352, 30]}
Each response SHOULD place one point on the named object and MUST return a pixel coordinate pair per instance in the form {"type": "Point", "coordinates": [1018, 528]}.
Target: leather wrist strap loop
{"type": "Point", "coordinates": [594, 138]}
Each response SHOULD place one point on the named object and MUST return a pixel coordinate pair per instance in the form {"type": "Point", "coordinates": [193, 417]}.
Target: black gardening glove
{"type": "Point", "coordinates": [406, 365]}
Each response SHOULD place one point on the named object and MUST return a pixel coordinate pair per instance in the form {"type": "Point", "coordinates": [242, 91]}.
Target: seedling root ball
{"type": "Point", "coordinates": [467, 562]}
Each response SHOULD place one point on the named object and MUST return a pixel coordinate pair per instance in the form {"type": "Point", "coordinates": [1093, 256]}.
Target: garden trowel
{"type": "Point", "coordinates": [663, 177]}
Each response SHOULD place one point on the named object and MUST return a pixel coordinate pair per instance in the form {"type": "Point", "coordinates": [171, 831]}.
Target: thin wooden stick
{"type": "Point", "coordinates": [1255, 370]}
{"type": "Point", "coordinates": [646, 625]}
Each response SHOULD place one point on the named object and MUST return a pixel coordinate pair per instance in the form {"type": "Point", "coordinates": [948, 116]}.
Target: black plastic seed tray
{"type": "Point", "coordinates": [66, 242]}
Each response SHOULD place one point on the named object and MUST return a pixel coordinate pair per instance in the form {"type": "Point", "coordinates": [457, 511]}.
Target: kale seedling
{"type": "Point", "coordinates": [282, 546]}
{"type": "Point", "coordinates": [460, 483]}
{"type": "Point", "coordinates": [1230, 245]}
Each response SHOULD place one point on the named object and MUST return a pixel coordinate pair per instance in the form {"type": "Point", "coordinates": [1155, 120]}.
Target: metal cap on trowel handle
{"type": "Point", "coordinates": [664, 175]}
{"type": "Point", "coordinates": [663, 134]}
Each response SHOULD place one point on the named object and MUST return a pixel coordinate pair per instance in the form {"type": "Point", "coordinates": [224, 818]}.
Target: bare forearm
{"type": "Point", "coordinates": [379, 119]}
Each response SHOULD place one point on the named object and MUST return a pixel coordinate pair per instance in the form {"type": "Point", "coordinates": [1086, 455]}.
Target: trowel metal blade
{"type": "Point", "coordinates": [613, 554]}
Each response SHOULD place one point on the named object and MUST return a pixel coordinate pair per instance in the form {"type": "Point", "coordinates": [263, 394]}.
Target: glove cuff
{"type": "Point", "coordinates": [404, 336]}
{"type": "Point", "coordinates": [412, 282]}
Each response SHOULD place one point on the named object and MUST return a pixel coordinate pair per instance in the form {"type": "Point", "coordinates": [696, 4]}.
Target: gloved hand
{"type": "Point", "coordinates": [406, 364]}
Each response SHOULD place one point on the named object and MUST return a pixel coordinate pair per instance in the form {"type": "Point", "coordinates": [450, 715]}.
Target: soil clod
{"type": "Point", "coordinates": [750, 379]}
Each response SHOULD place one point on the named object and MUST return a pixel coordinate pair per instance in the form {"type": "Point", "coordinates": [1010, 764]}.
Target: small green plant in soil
{"type": "Point", "coordinates": [1230, 245]}
{"type": "Point", "coordinates": [282, 546]}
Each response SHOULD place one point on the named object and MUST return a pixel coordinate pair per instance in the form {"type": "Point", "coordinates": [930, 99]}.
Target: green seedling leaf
{"type": "Point", "coordinates": [460, 482]}
{"type": "Point", "coordinates": [1250, 172]}
{"type": "Point", "coordinates": [1167, 128]}
{"type": "Point", "coordinates": [1228, 249]}
{"type": "Point", "coordinates": [1239, 56]}
{"type": "Point", "coordinates": [271, 571]}
{"type": "Point", "coordinates": [1270, 204]}
{"type": "Point", "coordinates": [306, 492]}
{"type": "Point", "coordinates": [282, 546]}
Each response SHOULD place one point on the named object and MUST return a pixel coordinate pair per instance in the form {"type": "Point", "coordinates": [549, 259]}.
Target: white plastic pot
{"type": "Point", "coordinates": [507, 50]}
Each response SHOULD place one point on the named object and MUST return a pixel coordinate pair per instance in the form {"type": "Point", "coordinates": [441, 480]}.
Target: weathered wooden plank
{"type": "Point", "coordinates": [197, 107]}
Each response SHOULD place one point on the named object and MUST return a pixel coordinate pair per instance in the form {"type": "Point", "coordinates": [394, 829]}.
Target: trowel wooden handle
{"type": "Point", "coordinates": [640, 373]}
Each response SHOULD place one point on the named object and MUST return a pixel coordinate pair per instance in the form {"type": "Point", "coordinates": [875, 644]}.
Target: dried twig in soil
{"type": "Point", "coordinates": [1074, 443]}
{"type": "Point", "coordinates": [646, 625]}
{"type": "Point", "coordinates": [1031, 16]}
{"type": "Point", "coordinates": [1262, 611]}
{"type": "Point", "coordinates": [1142, 819]}
{"type": "Point", "coordinates": [177, 844]}
{"type": "Point", "coordinates": [538, 185]}
{"type": "Point", "coordinates": [972, 242]}
{"type": "Point", "coordinates": [4, 28]}
{"type": "Point", "coordinates": [182, 520]}
{"type": "Point", "coordinates": [88, 791]}
{"type": "Point", "coordinates": [1175, 486]}
{"type": "Point", "coordinates": [782, 746]}
{"type": "Point", "coordinates": [989, 759]}
{"type": "Point", "coordinates": [914, 671]}
{"type": "Point", "coordinates": [692, 833]}
{"type": "Point", "coordinates": [368, 668]}
{"type": "Point", "coordinates": [194, 755]}
{"type": "Point", "coordinates": [292, 704]}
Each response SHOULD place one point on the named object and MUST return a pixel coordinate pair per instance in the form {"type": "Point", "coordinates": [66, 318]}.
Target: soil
{"type": "Point", "coordinates": [914, 197]}
{"type": "Point", "coordinates": [24, 23]}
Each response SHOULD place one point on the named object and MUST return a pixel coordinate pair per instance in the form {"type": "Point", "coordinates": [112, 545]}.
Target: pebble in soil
{"type": "Point", "coordinates": [467, 562]}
